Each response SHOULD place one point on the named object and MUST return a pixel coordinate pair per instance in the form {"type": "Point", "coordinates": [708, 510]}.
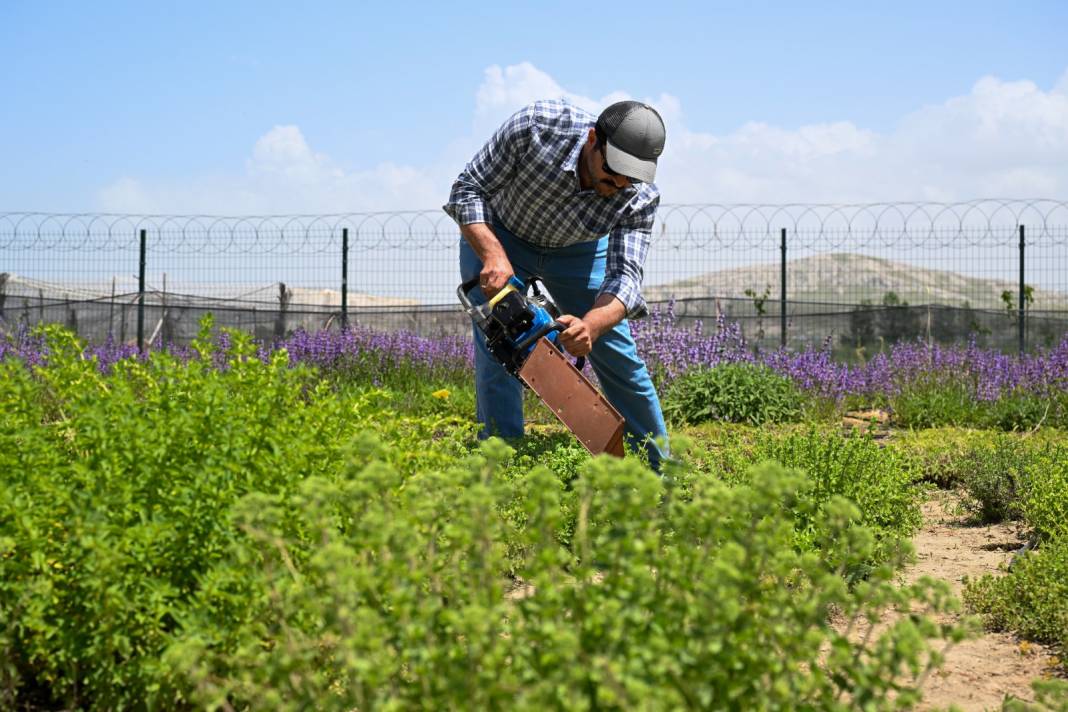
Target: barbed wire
{"type": "Point", "coordinates": [984, 222]}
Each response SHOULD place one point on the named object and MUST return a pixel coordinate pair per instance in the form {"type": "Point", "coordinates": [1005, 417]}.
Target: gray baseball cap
{"type": "Point", "coordinates": [633, 134]}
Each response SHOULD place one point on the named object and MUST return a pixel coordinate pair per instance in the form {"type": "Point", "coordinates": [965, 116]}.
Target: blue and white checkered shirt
{"type": "Point", "coordinates": [526, 176]}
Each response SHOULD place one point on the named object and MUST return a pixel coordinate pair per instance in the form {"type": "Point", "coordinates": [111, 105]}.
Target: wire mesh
{"type": "Point", "coordinates": [857, 276]}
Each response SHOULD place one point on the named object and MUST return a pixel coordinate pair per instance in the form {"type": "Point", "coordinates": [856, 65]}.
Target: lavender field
{"type": "Point", "coordinates": [900, 378]}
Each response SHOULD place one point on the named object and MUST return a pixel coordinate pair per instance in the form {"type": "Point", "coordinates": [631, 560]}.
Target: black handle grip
{"type": "Point", "coordinates": [580, 362]}
{"type": "Point", "coordinates": [463, 289]}
{"type": "Point", "coordinates": [543, 331]}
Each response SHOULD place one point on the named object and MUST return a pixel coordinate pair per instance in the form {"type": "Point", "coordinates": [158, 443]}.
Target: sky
{"type": "Point", "coordinates": [235, 108]}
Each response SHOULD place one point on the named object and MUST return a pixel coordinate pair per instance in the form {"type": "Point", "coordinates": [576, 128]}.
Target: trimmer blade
{"type": "Point", "coordinates": [573, 399]}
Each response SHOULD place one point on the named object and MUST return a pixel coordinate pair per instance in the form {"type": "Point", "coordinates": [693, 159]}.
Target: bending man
{"type": "Point", "coordinates": [567, 196]}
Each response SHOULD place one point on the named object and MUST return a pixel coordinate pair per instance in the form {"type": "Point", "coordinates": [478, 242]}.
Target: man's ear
{"type": "Point", "coordinates": [592, 137]}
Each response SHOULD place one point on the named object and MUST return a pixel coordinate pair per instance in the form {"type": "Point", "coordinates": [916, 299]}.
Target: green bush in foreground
{"type": "Point", "coordinates": [881, 481]}
{"type": "Point", "coordinates": [733, 392]}
{"type": "Point", "coordinates": [392, 598]}
{"type": "Point", "coordinates": [176, 534]}
{"type": "Point", "coordinates": [116, 491]}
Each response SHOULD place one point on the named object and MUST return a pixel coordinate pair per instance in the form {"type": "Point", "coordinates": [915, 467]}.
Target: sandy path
{"type": "Point", "coordinates": [979, 673]}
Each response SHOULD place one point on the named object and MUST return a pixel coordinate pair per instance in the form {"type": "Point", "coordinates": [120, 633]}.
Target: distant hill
{"type": "Point", "coordinates": [849, 278]}
{"type": "Point", "coordinates": [16, 287]}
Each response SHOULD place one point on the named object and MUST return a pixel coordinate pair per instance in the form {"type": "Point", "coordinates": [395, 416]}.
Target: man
{"type": "Point", "coordinates": [567, 196]}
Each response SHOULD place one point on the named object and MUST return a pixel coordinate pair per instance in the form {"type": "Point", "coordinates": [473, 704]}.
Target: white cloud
{"type": "Point", "coordinates": [505, 91]}
{"type": "Point", "coordinates": [283, 175]}
{"type": "Point", "coordinates": [1002, 139]}
{"type": "Point", "coordinates": [282, 151]}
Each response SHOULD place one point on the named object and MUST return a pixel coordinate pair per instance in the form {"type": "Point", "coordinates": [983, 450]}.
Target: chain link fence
{"type": "Point", "coordinates": [860, 276]}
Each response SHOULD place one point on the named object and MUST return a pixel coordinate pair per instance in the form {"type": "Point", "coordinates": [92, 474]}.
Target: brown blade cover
{"type": "Point", "coordinates": [574, 400]}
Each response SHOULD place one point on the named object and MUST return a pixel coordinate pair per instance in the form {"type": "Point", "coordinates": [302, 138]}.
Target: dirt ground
{"type": "Point", "coordinates": [978, 673]}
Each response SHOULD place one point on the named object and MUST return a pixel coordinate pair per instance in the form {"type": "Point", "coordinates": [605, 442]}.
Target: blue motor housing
{"type": "Point", "coordinates": [513, 321]}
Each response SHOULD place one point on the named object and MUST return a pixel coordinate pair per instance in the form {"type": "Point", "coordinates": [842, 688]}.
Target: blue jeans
{"type": "Point", "coordinates": [573, 276]}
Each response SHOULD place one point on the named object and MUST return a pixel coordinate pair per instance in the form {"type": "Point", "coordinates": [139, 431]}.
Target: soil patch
{"type": "Point", "coordinates": [978, 674]}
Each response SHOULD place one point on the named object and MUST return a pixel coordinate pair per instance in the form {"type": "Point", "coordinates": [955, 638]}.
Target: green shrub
{"type": "Point", "coordinates": [1032, 599]}
{"type": "Point", "coordinates": [937, 401]}
{"type": "Point", "coordinates": [116, 491]}
{"type": "Point", "coordinates": [1015, 412]}
{"type": "Point", "coordinates": [560, 455]}
{"type": "Point", "coordinates": [1050, 696]}
{"type": "Point", "coordinates": [995, 479]}
{"type": "Point", "coordinates": [933, 403]}
{"type": "Point", "coordinates": [854, 466]}
{"type": "Point", "coordinates": [881, 481]}
{"type": "Point", "coordinates": [659, 603]}
{"type": "Point", "coordinates": [734, 392]}
{"type": "Point", "coordinates": [173, 534]}
{"type": "Point", "coordinates": [939, 454]}
{"type": "Point", "coordinates": [1045, 507]}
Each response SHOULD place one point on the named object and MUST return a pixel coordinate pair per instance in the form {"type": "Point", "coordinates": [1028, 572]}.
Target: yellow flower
{"type": "Point", "coordinates": [442, 394]}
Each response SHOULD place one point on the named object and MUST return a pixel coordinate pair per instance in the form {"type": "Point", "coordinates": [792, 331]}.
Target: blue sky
{"type": "Point", "coordinates": [233, 107]}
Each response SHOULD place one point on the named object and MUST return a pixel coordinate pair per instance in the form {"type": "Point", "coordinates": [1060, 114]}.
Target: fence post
{"type": "Point", "coordinates": [344, 278]}
{"type": "Point", "coordinates": [782, 289]}
{"type": "Point", "coordinates": [1022, 313]}
{"type": "Point", "coordinates": [141, 296]}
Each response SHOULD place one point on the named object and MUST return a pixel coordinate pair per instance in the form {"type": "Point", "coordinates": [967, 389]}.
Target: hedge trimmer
{"type": "Point", "coordinates": [522, 333]}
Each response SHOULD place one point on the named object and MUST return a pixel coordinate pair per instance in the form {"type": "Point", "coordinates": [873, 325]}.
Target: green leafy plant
{"type": "Point", "coordinates": [1032, 599]}
{"type": "Point", "coordinates": [995, 478]}
{"type": "Point", "coordinates": [659, 603]}
{"type": "Point", "coordinates": [939, 454]}
{"type": "Point", "coordinates": [1050, 696]}
{"type": "Point", "coordinates": [116, 493]}
{"type": "Point", "coordinates": [1012, 307]}
{"type": "Point", "coordinates": [933, 402]}
{"type": "Point", "coordinates": [1045, 506]}
{"type": "Point", "coordinates": [879, 480]}
{"type": "Point", "coordinates": [734, 392]}
{"type": "Point", "coordinates": [936, 402]}
{"type": "Point", "coordinates": [236, 531]}
{"type": "Point", "coordinates": [759, 301]}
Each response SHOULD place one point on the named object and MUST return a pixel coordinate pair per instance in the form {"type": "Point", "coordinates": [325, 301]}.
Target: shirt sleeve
{"type": "Point", "coordinates": [628, 246]}
{"type": "Point", "coordinates": [492, 168]}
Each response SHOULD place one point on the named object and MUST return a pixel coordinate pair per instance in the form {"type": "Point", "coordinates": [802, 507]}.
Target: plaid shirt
{"type": "Point", "coordinates": [526, 176]}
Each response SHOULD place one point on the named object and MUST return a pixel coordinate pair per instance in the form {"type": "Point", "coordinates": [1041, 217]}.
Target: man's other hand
{"type": "Point", "coordinates": [578, 338]}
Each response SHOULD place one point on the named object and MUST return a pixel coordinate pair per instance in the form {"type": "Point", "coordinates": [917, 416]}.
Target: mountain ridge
{"type": "Point", "coordinates": [850, 278]}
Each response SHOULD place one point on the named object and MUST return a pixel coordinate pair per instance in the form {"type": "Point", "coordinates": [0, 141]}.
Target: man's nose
{"type": "Point", "coordinates": [620, 181]}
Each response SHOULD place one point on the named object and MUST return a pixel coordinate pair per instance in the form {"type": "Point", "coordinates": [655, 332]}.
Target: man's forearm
{"type": "Point", "coordinates": [484, 242]}
{"type": "Point", "coordinates": [607, 311]}
{"type": "Point", "coordinates": [496, 267]}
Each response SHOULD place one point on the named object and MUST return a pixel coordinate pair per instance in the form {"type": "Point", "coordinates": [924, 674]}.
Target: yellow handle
{"type": "Point", "coordinates": [508, 289]}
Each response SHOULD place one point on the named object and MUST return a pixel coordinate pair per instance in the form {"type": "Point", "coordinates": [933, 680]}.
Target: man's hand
{"type": "Point", "coordinates": [494, 275]}
{"type": "Point", "coordinates": [578, 338]}
{"type": "Point", "coordinates": [580, 334]}
{"type": "Point", "coordinates": [496, 268]}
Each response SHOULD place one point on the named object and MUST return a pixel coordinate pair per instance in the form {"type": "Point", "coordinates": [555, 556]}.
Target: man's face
{"type": "Point", "coordinates": [605, 183]}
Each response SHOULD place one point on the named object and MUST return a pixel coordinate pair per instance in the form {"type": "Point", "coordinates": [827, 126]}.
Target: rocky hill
{"type": "Point", "coordinates": [850, 278]}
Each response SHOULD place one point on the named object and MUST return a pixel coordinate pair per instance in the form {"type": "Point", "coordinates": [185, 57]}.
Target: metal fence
{"type": "Point", "coordinates": [859, 275]}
